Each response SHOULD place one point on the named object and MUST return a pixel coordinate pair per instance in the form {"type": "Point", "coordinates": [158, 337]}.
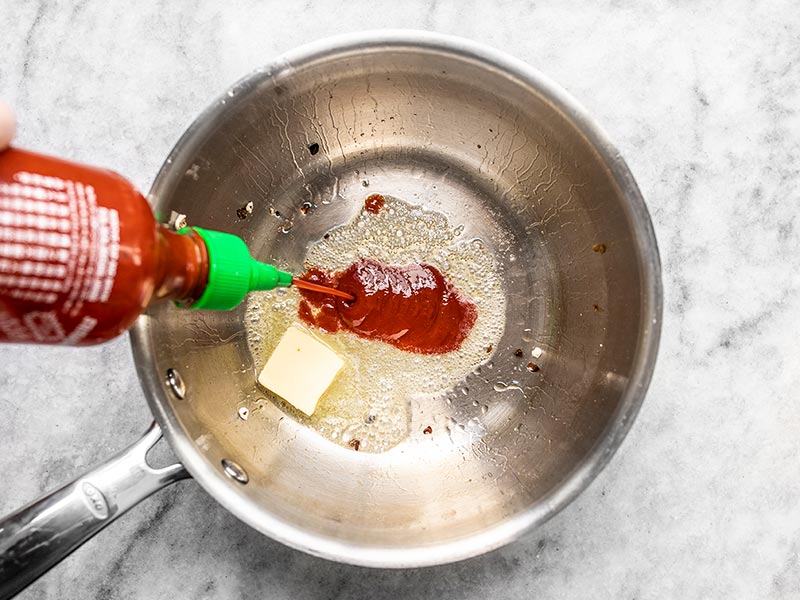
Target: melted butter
{"type": "Point", "coordinates": [369, 400]}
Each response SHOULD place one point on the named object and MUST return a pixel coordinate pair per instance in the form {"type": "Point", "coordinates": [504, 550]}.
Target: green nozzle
{"type": "Point", "coordinates": [232, 272]}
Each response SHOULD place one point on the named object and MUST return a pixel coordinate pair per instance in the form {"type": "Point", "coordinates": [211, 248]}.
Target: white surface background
{"type": "Point", "coordinates": [702, 98]}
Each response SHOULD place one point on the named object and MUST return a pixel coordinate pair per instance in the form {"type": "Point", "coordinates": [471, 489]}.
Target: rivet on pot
{"type": "Point", "coordinates": [234, 471]}
{"type": "Point", "coordinates": [175, 384]}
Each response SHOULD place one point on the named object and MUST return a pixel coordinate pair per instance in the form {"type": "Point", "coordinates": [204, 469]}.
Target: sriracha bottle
{"type": "Point", "coordinates": [81, 255]}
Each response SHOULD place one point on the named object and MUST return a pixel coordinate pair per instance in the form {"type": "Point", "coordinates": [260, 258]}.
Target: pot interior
{"type": "Point", "coordinates": [505, 161]}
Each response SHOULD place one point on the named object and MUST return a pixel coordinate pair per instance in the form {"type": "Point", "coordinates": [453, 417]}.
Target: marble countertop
{"type": "Point", "coordinates": [703, 498]}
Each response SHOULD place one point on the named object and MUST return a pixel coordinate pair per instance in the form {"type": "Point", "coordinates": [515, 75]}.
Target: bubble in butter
{"type": "Point", "coordinates": [300, 369]}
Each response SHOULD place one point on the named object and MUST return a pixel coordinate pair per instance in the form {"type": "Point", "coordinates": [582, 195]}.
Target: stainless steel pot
{"type": "Point", "coordinates": [494, 145]}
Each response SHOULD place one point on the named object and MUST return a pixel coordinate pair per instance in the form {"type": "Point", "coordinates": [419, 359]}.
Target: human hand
{"type": "Point", "coordinates": [7, 125]}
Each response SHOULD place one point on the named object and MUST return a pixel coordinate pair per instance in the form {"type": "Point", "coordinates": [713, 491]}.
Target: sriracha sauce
{"type": "Point", "coordinates": [81, 255]}
{"type": "Point", "coordinates": [412, 307]}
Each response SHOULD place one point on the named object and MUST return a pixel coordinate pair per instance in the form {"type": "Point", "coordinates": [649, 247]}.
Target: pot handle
{"type": "Point", "coordinates": [46, 531]}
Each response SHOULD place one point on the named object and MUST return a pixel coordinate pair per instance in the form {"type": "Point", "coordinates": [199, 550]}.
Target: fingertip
{"type": "Point", "coordinates": [8, 124]}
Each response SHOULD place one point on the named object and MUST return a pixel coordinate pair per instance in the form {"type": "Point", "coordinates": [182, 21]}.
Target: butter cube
{"type": "Point", "coordinates": [300, 369]}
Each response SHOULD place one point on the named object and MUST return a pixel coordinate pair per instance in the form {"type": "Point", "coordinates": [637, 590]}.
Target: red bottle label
{"type": "Point", "coordinates": [57, 247]}
{"type": "Point", "coordinates": [77, 251]}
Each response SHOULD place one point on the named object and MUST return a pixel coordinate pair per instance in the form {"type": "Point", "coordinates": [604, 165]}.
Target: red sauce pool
{"type": "Point", "coordinates": [413, 307]}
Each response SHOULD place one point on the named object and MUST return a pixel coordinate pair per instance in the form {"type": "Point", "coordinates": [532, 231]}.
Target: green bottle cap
{"type": "Point", "coordinates": [232, 272]}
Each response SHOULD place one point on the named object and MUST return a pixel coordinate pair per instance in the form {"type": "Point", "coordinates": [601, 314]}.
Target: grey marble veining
{"type": "Point", "coordinates": [703, 100]}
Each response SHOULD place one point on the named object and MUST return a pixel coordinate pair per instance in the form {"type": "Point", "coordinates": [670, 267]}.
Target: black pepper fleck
{"type": "Point", "coordinates": [313, 148]}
